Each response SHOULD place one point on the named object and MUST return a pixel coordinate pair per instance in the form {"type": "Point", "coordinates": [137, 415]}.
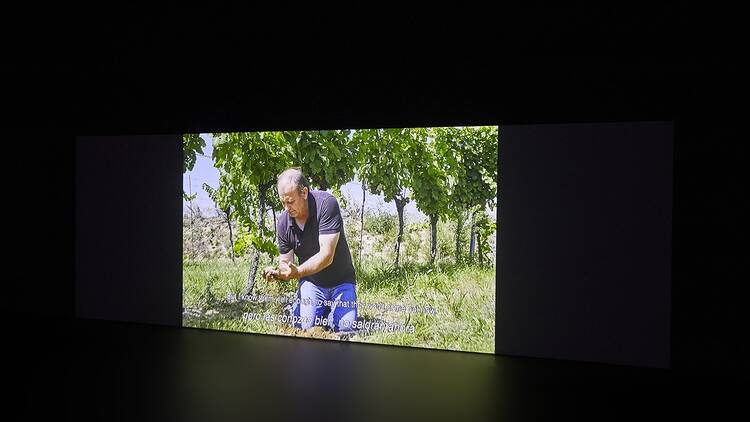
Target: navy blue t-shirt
{"type": "Point", "coordinates": [324, 217]}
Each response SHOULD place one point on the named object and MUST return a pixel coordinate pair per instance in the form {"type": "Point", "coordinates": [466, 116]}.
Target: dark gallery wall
{"type": "Point", "coordinates": [585, 242]}
{"type": "Point", "coordinates": [128, 223]}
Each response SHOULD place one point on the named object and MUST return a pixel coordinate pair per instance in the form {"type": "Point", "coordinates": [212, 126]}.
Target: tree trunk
{"type": "Point", "coordinates": [362, 225]}
{"type": "Point", "coordinates": [400, 204]}
{"type": "Point", "coordinates": [472, 244]}
{"type": "Point", "coordinates": [433, 237]}
{"type": "Point", "coordinates": [261, 226]}
{"type": "Point", "coordinates": [459, 228]}
{"type": "Point", "coordinates": [231, 237]}
{"type": "Point", "coordinates": [479, 248]}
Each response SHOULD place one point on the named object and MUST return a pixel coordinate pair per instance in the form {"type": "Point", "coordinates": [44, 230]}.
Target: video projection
{"type": "Point", "coordinates": [385, 236]}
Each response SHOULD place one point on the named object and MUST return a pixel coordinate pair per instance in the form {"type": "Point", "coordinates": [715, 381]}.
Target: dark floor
{"type": "Point", "coordinates": [96, 370]}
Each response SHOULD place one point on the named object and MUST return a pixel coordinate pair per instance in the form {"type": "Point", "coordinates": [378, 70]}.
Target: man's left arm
{"type": "Point", "coordinates": [316, 263]}
{"type": "Point", "coordinates": [329, 230]}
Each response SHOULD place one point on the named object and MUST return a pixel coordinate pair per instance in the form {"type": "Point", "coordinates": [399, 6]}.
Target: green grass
{"type": "Point", "coordinates": [462, 295]}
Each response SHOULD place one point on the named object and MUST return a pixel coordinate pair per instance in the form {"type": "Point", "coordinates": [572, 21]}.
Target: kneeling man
{"type": "Point", "coordinates": [311, 227]}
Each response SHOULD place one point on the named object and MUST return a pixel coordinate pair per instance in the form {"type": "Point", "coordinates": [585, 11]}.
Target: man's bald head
{"type": "Point", "coordinates": [293, 187]}
{"type": "Point", "coordinates": [292, 176]}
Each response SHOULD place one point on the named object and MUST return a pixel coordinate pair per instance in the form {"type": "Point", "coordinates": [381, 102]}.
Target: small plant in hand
{"type": "Point", "coordinates": [284, 271]}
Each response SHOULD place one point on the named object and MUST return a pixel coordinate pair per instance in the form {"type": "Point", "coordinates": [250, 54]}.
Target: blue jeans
{"type": "Point", "coordinates": [332, 307]}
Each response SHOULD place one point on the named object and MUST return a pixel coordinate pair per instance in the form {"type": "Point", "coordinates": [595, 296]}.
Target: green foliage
{"type": "Point", "coordinates": [447, 171]}
{"type": "Point", "coordinates": [235, 194]}
{"type": "Point", "coordinates": [192, 144]}
{"type": "Point", "coordinates": [429, 175]}
{"type": "Point", "coordinates": [325, 156]}
{"type": "Point", "coordinates": [249, 237]}
{"type": "Point", "coordinates": [385, 158]}
{"type": "Point", "coordinates": [242, 242]}
{"type": "Point", "coordinates": [487, 229]}
{"type": "Point", "coordinates": [258, 157]}
{"type": "Point", "coordinates": [340, 198]}
{"type": "Point", "coordinates": [470, 158]}
{"type": "Point", "coordinates": [380, 223]}
{"type": "Point", "coordinates": [264, 244]}
{"type": "Point", "coordinates": [249, 163]}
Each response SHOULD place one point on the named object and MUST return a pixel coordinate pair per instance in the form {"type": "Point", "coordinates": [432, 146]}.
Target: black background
{"type": "Point", "coordinates": [149, 71]}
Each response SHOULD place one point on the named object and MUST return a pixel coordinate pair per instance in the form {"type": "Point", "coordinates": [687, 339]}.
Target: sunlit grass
{"type": "Point", "coordinates": [463, 297]}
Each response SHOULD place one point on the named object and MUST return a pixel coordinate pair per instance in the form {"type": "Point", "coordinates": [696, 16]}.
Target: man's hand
{"type": "Point", "coordinates": [270, 273]}
{"type": "Point", "coordinates": [287, 271]}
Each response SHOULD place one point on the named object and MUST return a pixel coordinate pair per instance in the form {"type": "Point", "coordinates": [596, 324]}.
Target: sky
{"type": "Point", "coordinates": [205, 172]}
